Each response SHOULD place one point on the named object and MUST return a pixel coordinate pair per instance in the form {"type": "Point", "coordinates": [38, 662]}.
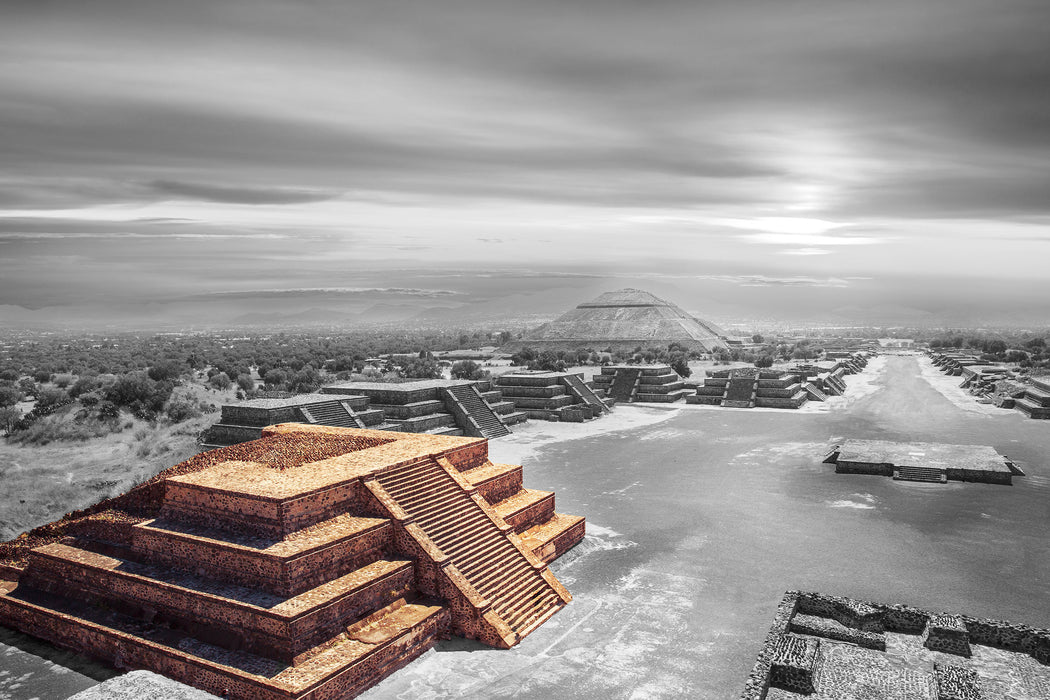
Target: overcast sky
{"type": "Point", "coordinates": [892, 153]}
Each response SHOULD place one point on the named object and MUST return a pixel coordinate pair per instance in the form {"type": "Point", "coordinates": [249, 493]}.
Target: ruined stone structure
{"type": "Point", "coordinates": [556, 396]}
{"type": "Point", "coordinates": [833, 648]}
{"type": "Point", "coordinates": [245, 421]}
{"type": "Point", "coordinates": [450, 407]}
{"type": "Point", "coordinates": [750, 387]}
{"type": "Point", "coordinates": [623, 320]}
{"type": "Point", "coordinates": [309, 563]}
{"type": "Point", "coordinates": [923, 461]}
{"type": "Point", "coordinates": [641, 383]}
{"type": "Point", "coordinates": [1036, 400]}
{"type": "Point", "coordinates": [747, 387]}
{"type": "Point", "coordinates": [437, 406]}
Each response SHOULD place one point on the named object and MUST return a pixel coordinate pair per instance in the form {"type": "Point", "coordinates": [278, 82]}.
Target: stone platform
{"type": "Point", "coordinates": [310, 563]}
{"type": "Point", "coordinates": [923, 461]}
{"type": "Point", "coordinates": [832, 648]}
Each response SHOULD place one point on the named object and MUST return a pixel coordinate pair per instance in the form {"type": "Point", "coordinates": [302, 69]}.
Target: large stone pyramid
{"type": "Point", "coordinates": [624, 319]}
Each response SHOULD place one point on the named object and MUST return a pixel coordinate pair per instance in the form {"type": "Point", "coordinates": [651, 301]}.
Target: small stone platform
{"type": "Point", "coordinates": [825, 647]}
{"type": "Point", "coordinates": [923, 461]}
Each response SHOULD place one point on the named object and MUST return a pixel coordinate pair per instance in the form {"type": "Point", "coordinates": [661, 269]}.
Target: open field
{"type": "Point", "coordinates": [699, 520]}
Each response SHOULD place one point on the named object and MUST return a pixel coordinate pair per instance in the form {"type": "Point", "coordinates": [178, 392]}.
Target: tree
{"type": "Point", "coordinates": [220, 381]}
{"type": "Point", "coordinates": [306, 380]}
{"type": "Point", "coordinates": [245, 382]}
{"type": "Point", "coordinates": [757, 338]}
{"type": "Point", "coordinates": [9, 416]}
{"type": "Point", "coordinates": [680, 363]}
{"type": "Point", "coordinates": [9, 395]}
{"type": "Point", "coordinates": [8, 375]}
{"type": "Point", "coordinates": [763, 361]}
{"type": "Point", "coordinates": [468, 369]}
{"type": "Point", "coordinates": [417, 368]}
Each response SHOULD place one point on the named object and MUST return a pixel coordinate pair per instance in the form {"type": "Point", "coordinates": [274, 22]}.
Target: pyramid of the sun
{"type": "Point", "coordinates": [624, 319]}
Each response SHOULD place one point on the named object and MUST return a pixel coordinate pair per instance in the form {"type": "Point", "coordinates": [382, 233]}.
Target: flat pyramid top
{"type": "Point", "coordinates": [625, 297]}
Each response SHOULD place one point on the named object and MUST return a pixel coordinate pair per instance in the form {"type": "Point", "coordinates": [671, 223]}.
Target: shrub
{"type": "Point", "coordinates": [8, 375]}
{"type": "Point", "coordinates": [180, 409]}
{"type": "Point", "coordinates": [763, 361]}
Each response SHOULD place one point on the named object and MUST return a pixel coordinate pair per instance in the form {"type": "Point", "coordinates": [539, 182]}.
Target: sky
{"type": "Point", "coordinates": [749, 160]}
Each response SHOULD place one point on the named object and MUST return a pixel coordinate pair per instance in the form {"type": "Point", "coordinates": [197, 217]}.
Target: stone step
{"type": "Point", "coordinates": [461, 529]}
{"type": "Point", "coordinates": [227, 615]}
{"type": "Point", "coordinates": [344, 667]}
{"type": "Point", "coordinates": [495, 482]}
{"type": "Point", "coordinates": [914, 473]}
{"type": "Point", "coordinates": [527, 508]}
{"type": "Point", "coordinates": [286, 566]}
{"type": "Point", "coordinates": [549, 540]}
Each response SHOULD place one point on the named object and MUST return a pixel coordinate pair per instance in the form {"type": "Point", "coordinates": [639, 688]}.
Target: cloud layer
{"type": "Point", "coordinates": [242, 144]}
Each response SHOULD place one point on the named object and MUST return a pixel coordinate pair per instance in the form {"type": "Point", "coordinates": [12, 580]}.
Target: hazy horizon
{"type": "Point", "coordinates": [870, 163]}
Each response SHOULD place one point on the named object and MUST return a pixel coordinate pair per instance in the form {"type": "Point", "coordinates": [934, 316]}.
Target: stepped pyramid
{"type": "Point", "coordinates": [309, 563]}
{"type": "Point", "coordinates": [623, 319]}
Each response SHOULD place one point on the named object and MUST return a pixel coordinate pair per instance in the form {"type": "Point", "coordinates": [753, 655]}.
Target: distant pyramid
{"type": "Point", "coordinates": [623, 319]}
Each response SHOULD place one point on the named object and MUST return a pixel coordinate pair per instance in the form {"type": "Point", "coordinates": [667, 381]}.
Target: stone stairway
{"type": "Point", "coordinates": [475, 407]}
{"type": "Point", "coordinates": [624, 384]}
{"type": "Point", "coordinates": [814, 392]}
{"type": "Point", "coordinates": [583, 392]}
{"type": "Point", "coordinates": [331, 413]}
{"type": "Point", "coordinates": [494, 565]}
{"type": "Point", "coordinates": [741, 392]}
{"type": "Point", "coordinates": [912, 473]}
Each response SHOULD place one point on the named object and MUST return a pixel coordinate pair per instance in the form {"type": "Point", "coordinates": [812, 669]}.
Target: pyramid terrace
{"type": "Point", "coordinates": [310, 563]}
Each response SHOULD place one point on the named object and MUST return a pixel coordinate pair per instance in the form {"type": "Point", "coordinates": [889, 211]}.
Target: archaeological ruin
{"type": "Point", "coordinates": [923, 461]}
{"type": "Point", "coordinates": [623, 320]}
{"type": "Point", "coordinates": [554, 396]}
{"type": "Point", "coordinates": [309, 563]}
{"type": "Point", "coordinates": [834, 648]}
{"type": "Point", "coordinates": [435, 406]}
{"type": "Point", "coordinates": [750, 387]}
{"type": "Point", "coordinates": [641, 384]}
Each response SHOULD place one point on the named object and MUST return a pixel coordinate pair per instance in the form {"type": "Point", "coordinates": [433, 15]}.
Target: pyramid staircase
{"type": "Point", "coordinates": [624, 384]}
{"type": "Point", "coordinates": [584, 393]}
{"type": "Point", "coordinates": [814, 392]}
{"type": "Point", "coordinates": [741, 391]}
{"type": "Point", "coordinates": [335, 413]}
{"type": "Point", "coordinates": [926, 474]}
{"type": "Point", "coordinates": [517, 587]}
{"type": "Point", "coordinates": [465, 399]}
